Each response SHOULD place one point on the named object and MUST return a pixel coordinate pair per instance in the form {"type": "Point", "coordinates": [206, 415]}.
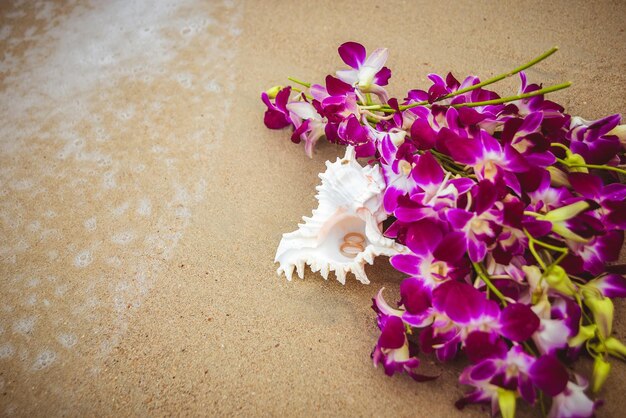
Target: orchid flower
{"type": "Point", "coordinates": [368, 73]}
{"type": "Point", "coordinates": [309, 124]}
{"type": "Point", "coordinates": [507, 211]}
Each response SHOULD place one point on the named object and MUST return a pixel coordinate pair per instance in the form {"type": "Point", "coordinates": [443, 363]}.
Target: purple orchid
{"type": "Point", "coordinates": [514, 371]}
{"type": "Point", "coordinates": [277, 115]}
{"type": "Point", "coordinates": [310, 125]}
{"type": "Point", "coordinates": [591, 139]}
{"type": "Point", "coordinates": [507, 214]}
{"type": "Point", "coordinates": [394, 351]}
{"type": "Point", "coordinates": [573, 402]}
{"type": "Point", "coordinates": [436, 254]}
{"type": "Point", "coordinates": [369, 74]}
{"type": "Point", "coordinates": [489, 159]}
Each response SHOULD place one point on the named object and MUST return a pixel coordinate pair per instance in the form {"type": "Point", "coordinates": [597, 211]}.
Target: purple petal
{"type": "Point", "coordinates": [463, 150]}
{"type": "Point", "coordinates": [549, 375]}
{"type": "Point", "coordinates": [390, 199]}
{"type": "Point", "coordinates": [451, 248]}
{"type": "Point", "coordinates": [353, 54]}
{"type": "Point", "coordinates": [458, 218]}
{"type": "Point", "coordinates": [415, 297]}
{"type": "Point", "coordinates": [423, 134]}
{"type": "Point", "coordinates": [484, 370]}
{"type": "Point", "coordinates": [337, 87]}
{"type": "Point", "coordinates": [611, 285]}
{"type": "Point", "coordinates": [275, 119]}
{"type": "Point", "coordinates": [481, 345]}
{"type": "Point", "coordinates": [427, 170]}
{"type": "Point", "coordinates": [393, 334]}
{"type": "Point", "coordinates": [531, 123]}
{"type": "Point", "coordinates": [485, 196]}
{"type": "Point", "coordinates": [406, 263]}
{"type": "Point", "coordinates": [382, 77]}
{"type": "Point", "coordinates": [518, 322]}
{"type": "Point", "coordinates": [526, 389]}
{"type": "Point", "coordinates": [423, 236]}
{"type": "Point", "coordinates": [460, 301]}
{"type": "Point", "coordinates": [586, 185]}
{"type": "Point", "coordinates": [477, 250]}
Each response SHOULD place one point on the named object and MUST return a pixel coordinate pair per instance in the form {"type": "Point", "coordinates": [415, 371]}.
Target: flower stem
{"type": "Point", "coordinates": [302, 83]}
{"type": "Point", "coordinates": [489, 81]}
{"type": "Point", "coordinates": [501, 100]}
{"type": "Point", "coordinates": [596, 166]}
{"type": "Point", "coordinates": [502, 76]}
{"type": "Point", "coordinates": [533, 251]}
{"type": "Point", "coordinates": [558, 144]}
{"type": "Point", "coordinates": [485, 278]}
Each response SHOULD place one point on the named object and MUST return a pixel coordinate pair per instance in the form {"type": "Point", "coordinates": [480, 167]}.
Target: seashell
{"type": "Point", "coordinates": [345, 231]}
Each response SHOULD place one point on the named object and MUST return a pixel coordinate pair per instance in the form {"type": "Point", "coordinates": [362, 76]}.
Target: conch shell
{"type": "Point", "coordinates": [345, 231]}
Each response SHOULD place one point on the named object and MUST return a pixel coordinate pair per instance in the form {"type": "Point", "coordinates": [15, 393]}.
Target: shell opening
{"type": "Point", "coordinates": [353, 244]}
{"type": "Point", "coordinates": [347, 235]}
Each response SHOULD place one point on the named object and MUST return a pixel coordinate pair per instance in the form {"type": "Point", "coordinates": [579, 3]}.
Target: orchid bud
{"type": "Point", "coordinates": [601, 370]}
{"type": "Point", "coordinates": [602, 309]}
{"type": "Point", "coordinates": [566, 212]}
{"type": "Point", "coordinates": [615, 347]}
{"type": "Point", "coordinates": [506, 402]}
{"type": "Point", "coordinates": [558, 280]}
{"type": "Point", "coordinates": [567, 233]}
{"type": "Point", "coordinates": [558, 177]}
{"type": "Point", "coordinates": [576, 159]}
{"type": "Point", "coordinates": [585, 333]}
{"type": "Point", "coordinates": [271, 93]}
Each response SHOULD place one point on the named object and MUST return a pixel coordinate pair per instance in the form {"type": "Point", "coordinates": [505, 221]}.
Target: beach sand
{"type": "Point", "coordinates": [142, 199]}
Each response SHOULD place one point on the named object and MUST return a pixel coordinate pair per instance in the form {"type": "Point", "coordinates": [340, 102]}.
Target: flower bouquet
{"type": "Point", "coordinates": [505, 214]}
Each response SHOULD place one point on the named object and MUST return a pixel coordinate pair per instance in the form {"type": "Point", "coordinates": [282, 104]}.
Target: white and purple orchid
{"type": "Point", "coordinates": [509, 212]}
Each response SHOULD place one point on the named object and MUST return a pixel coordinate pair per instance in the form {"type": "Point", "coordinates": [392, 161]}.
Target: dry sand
{"type": "Point", "coordinates": [142, 198]}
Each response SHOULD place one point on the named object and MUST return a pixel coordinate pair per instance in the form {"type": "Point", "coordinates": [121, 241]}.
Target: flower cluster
{"type": "Point", "coordinates": [511, 211]}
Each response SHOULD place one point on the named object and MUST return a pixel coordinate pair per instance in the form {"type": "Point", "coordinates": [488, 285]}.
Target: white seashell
{"type": "Point", "coordinates": [345, 230]}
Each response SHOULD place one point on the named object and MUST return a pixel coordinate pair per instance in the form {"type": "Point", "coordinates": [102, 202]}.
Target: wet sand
{"type": "Point", "coordinates": [142, 199]}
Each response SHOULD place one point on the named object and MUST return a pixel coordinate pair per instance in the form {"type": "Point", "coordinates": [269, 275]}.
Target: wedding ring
{"type": "Point", "coordinates": [354, 237]}
{"type": "Point", "coordinates": [351, 249]}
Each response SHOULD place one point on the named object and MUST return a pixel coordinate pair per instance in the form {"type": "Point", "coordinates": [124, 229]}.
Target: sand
{"type": "Point", "coordinates": [142, 198]}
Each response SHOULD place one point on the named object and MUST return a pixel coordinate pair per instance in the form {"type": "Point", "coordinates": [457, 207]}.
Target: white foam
{"type": "Point", "coordinates": [67, 340]}
{"type": "Point", "coordinates": [144, 208]}
{"type": "Point", "coordinates": [68, 94]}
{"type": "Point", "coordinates": [90, 224]}
{"type": "Point", "coordinates": [6, 350]}
{"type": "Point", "coordinates": [123, 238]}
{"type": "Point", "coordinates": [83, 258]}
{"type": "Point", "coordinates": [44, 359]}
{"type": "Point", "coordinates": [24, 325]}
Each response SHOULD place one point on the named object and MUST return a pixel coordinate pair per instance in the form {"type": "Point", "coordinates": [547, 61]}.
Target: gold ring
{"type": "Point", "coordinates": [351, 249]}
{"type": "Point", "coordinates": [354, 237]}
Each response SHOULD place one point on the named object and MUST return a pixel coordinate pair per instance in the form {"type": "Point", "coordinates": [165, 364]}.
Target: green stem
{"type": "Point", "coordinates": [546, 90]}
{"type": "Point", "coordinates": [599, 167]}
{"type": "Point", "coordinates": [504, 75]}
{"type": "Point", "coordinates": [491, 80]}
{"type": "Point", "coordinates": [533, 251]}
{"type": "Point", "coordinates": [558, 144]}
{"type": "Point", "coordinates": [302, 83]}
{"type": "Point", "coordinates": [490, 285]}
{"type": "Point", "coordinates": [501, 100]}
{"type": "Point", "coordinates": [550, 246]}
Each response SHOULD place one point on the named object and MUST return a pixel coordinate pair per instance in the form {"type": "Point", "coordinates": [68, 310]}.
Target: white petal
{"type": "Point", "coordinates": [348, 76]}
{"type": "Point", "coordinates": [377, 59]}
{"type": "Point", "coordinates": [303, 110]}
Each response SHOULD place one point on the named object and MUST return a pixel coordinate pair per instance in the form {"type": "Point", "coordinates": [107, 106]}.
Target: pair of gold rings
{"type": "Point", "coordinates": [353, 243]}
